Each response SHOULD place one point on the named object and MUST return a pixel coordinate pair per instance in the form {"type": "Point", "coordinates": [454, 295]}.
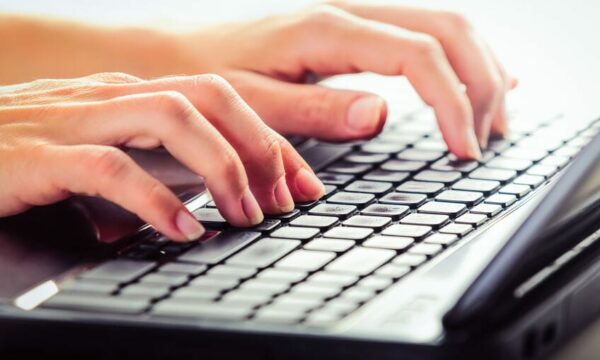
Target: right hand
{"type": "Point", "coordinates": [58, 137]}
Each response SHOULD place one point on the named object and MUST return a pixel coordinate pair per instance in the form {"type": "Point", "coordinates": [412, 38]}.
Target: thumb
{"type": "Point", "coordinates": [311, 110]}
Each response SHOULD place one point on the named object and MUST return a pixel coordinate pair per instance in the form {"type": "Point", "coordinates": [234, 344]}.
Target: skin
{"type": "Point", "coordinates": [225, 127]}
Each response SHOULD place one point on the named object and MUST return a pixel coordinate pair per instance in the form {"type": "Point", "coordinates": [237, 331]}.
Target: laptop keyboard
{"type": "Point", "coordinates": [392, 204]}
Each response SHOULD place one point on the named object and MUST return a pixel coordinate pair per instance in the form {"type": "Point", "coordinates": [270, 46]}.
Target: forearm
{"type": "Point", "coordinates": [33, 48]}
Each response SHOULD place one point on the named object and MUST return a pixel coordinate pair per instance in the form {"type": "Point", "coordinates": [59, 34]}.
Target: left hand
{"type": "Point", "coordinates": [268, 60]}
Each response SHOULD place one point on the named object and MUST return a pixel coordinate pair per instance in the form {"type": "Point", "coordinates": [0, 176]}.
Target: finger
{"type": "Point", "coordinates": [311, 110]}
{"type": "Point", "coordinates": [169, 119]}
{"type": "Point", "coordinates": [109, 173]}
{"type": "Point", "coordinates": [258, 146]}
{"type": "Point", "coordinates": [470, 57]}
{"type": "Point", "coordinates": [391, 50]}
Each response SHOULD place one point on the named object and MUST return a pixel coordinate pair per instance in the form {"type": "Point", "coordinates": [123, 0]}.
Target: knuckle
{"type": "Point", "coordinates": [176, 105]}
{"type": "Point", "coordinates": [427, 46]}
{"type": "Point", "coordinates": [214, 83]}
{"type": "Point", "coordinates": [107, 162]}
{"type": "Point", "coordinates": [456, 22]}
{"type": "Point", "coordinates": [115, 78]}
{"type": "Point", "coordinates": [323, 15]}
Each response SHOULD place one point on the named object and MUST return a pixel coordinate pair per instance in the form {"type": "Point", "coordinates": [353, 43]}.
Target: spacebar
{"type": "Point", "coordinates": [321, 155]}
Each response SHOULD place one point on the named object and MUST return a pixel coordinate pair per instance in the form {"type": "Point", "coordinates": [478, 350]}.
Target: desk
{"type": "Point", "coordinates": [550, 45]}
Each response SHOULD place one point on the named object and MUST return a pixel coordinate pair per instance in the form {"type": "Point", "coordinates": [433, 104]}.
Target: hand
{"type": "Point", "coordinates": [58, 137]}
{"type": "Point", "coordinates": [267, 61]}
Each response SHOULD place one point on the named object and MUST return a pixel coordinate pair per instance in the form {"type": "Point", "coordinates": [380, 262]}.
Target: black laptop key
{"type": "Point", "coordinates": [263, 252]}
{"type": "Point", "coordinates": [374, 222]}
{"type": "Point", "coordinates": [446, 177]}
{"type": "Point", "coordinates": [372, 187]}
{"type": "Point", "coordinates": [317, 221]}
{"type": "Point", "coordinates": [403, 165]}
{"type": "Point", "coordinates": [450, 163]}
{"type": "Point", "coordinates": [387, 210]}
{"type": "Point", "coordinates": [486, 173]}
{"type": "Point", "coordinates": [334, 179]}
{"type": "Point", "coordinates": [321, 155]}
{"type": "Point", "coordinates": [420, 155]}
{"type": "Point", "coordinates": [95, 302]}
{"type": "Point", "coordinates": [350, 198]}
{"type": "Point", "coordinates": [394, 177]}
{"type": "Point", "coordinates": [484, 186]}
{"type": "Point", "coordinates": [219, 247]}
{"type": "Point", "coordinates": [421, 187]}
{"type": "Point", "coordinates": [408, 199]}
{"type": "Point", "coordinates": [502, 162]}
{"type": "Point", "coordinates": [366, 158]}
{"type": "Point", "coordinates": [345, 167]}
{"type": "Point", "coordinates": [119, 270]}
{"type": "Point", "coordinates": [339, 210]}
{"type": "Point", "coordinates": [465, 197]}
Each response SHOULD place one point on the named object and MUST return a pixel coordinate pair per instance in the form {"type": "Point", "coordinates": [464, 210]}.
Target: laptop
{"type": "Point", "coordinates": [410, 254]}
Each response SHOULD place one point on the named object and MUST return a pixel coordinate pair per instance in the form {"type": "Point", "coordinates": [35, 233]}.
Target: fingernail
{"type": "Point", "coordinates": [188, 225]}
{"type": "Point", "coordinates": [309, 184]}
{"type": "Point", "coordinates": [364, 113]}
{"type": "Point", "coordinates": [251, 208]}
{"type": "Point", "coordinates": [473, 150]}
{"type": "Point", "coordinates": [283, 197]}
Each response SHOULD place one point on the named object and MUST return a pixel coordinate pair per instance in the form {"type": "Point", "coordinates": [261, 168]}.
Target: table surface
{"type": "Point", "coordinates": [550, 45]}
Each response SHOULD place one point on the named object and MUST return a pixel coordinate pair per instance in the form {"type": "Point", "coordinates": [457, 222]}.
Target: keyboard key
{"type": "Point", "coordinates": [458, 229]}
{"type": "Point", "coordinates": [361, 261]}
{"type": "Point", "coordinates": [165, 278]}
{"type": "Point", "coordinates": [335, 245]}
{"type": "Point", "coordinates": [433, 220]}
{"type": "Point", "coordinates": [441, 239]}
{"type": "Point", "coordinates": [358, 294]}
{"type": "Point", "coordinates": [332, 210]}
{"type": "Point", "coordinates": [371, 187]}
{"type": "Point", "coordinates": [267, 225]}
{"type": "Point", "coordinates": [195, 309]}
{"type": "Point", "coordinates": [382, 147]}
{"type": "Point", "coordinates": [487, 209]}
{"type": "Point", "coordinates": [201, 293]}
{"type": "Point", "coordinates": [403, 165]}
{"type": "Point", "coordinates": [303, 206]}
{"type": "Point", "coordinates": [278, 315]}
{"type": "Point", "coordinates": [375, 283]}
{"type": "Point", "coordinates": [287, 216]}
{"type": "Point", "coordinates": [329, 189]}
{"type": "Point", "coordinates": [349, 198]}
{"type": "Point", "coordinates": [316, 221]}
{"type": "Point", "coordinates": [295, 232]}
{"type": "Point", "coordinates": [393, 271]}
{"type": "Point", "coordinates": [501, 199]}
{"type": "Point", "coordinates": [451, 164]}
{"type": "Point", "coordinates": [344, 167]}
{"type": "Point", "coordinates": [219, 247]}
{"type": "Point", "coordinates": [325, 278]}
{"type": "Point", "coordinates": [465, 197]}
{"type": "Point", "coordinates": [502, 162]}
{"type": "Point", "coordinates": [431, 144]}
{"type": "Point", "coordinates": [412, 231]}
{"type": "Point", "coordinates": [231, 271]}
{"type": "Point", "coordinates": [515, 189]}
{"type": "Point", "coordinates": [408, 259]}
{"type": "Point", "coordinates": [352, 233]}
{"type": "Point", "coordinates": [472, 219]}
{"type": "Point", "coordinates": [389, 242]}
{"type": "Point", "coordinates": [421, 187]}
{"type": "Point", "coordinates": [307, 260]}
{"type": "Point", "coordinates": [445, 177]}
{"type": "Point", "coordinates": [525, 153]}
{"type": "Point", "coordinates": [444, 208]}
{"type": "Point", "coordinates": [485, 173]}
{"type": "Point", "coordinates": [420, 155]}
{"type": "Point", "coordinates": [301, 301]}
{"type": "Point", "coordinates": [209, 216]}
{"type": "Point", "coordinates": [263, 252]}
{"type": "Point", "coordinates": [251, 298]}
{"type": "Point", "coordinates": [393, 211]}
{"type": "Point", "coordinates": [119, 270]}
{"type": "Point", "coordinates": [408, 199]}
{"type": "Point", "coordinates": [146, 290]}
{"type": "Point", "coordinates": [90, 286]}
{"type": "Point", "coordinates": [212, 282]}
{"type": "Point", "coordinates": [320, 155]}
{"type": "Point", "coordinates": [426, 249]}
{"type": "Point", "coordinates": [282, 275]}
{"type": "Point", "coordinates": [542, 170]}
{"type": "Point", "coordinates": [366, 158]}
{"type": "Point", "coordinates": [264, 287]}
{"type": "Point", "coordinates": [335, 179]}
{"type": "Point", "coordinates": [555, 160]}
{"type": "Point", "coordinates": [314, 291]}
{"type": "Point", "coordinates": [498, 145]}
{"type": "Point", "coordinates": [95, 302]}
{"type": "Point", "coordinates": [483, 186]}
{"type": "Point", "coordinates": [374, 222]}
{"type": "Point", "coordinates": [393, 177]}
{"type": "Point", "coordinates": [531, 180]}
